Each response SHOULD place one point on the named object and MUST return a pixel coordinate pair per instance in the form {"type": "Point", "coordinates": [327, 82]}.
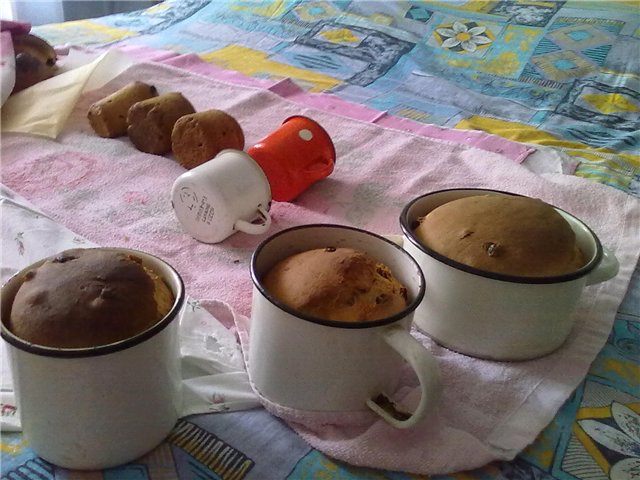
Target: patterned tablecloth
{"type": "Point", "coordinates": [558, 73]}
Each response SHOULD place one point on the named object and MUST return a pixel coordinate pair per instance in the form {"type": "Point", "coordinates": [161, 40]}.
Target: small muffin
{"type": "Point", "coordinates": [35, 60]}
{"type": "Point", "coordinates": [108, 117]}
{"type": "Point", "coordinates": [198, 137]}
{"type": "Point", "coordinates": [150, 122]}
{"type": "Point", "coordinates": [86, 298]}
{"type": "Point", "coordinates": [512, 235]}
{"type": "Point", "coordinates": [339, 284]}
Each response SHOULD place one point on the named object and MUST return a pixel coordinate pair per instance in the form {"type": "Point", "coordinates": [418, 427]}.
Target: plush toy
{"type": "Point", "coordinates": [35, 60]}
{"type": "Point", "coordinates": [25, 58]}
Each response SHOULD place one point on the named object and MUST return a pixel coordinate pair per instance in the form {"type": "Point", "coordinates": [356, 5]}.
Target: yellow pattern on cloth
{"type": "Point", "coordinates": [599, 164]}
{"type": "Point", "coordinates": [90, 31]}
{"type": "Point", "coordinates": [611, 103]}
{"type": "Point", "coordinates": [340, 35]}
{"type": "Point", "coordinates": [265, 9]}
{"type": "Point", "coordinates": [256, 63]}
{"type": "Point", "coordinates": [611, 415]}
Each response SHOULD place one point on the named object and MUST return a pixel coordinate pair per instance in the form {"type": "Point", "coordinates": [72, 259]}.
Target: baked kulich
{"type": "Point", "coordinates": [35, 60]}
{"type": "Point", "coordinates": [87, 298]}
{"type": "Point", "coordinates": [512, 235]}
{"type": "Point", "coordinates": [200, 136]}
{"type": "Point", "coordinates": [340, 284]}
{"type": "Point", "coordinates": [108, 116]}
{"type": "Point", "coordinates": [150, 122]}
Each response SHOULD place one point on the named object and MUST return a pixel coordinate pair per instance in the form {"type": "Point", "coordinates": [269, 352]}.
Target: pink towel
{"type": "Point", "coordinates": [112, 194]}
{"type": "Point", "coordinates": [286, 88]}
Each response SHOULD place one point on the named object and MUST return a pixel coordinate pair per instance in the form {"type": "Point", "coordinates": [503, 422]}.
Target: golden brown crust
{"type": "Point", "coordinates": [502, 234]}
{"type": "Point", "coordinates": [108, 116]}
{"type": "Point", "coordinates": [162, 294]}
{"type": "Point", "coordinates": [198, 137]}
{"type": "Point", "coordinates": [337, 284]}
{"type": "Point", "coordinates": [35, 60]}
{"type": "Point", "coordinates": [86, 298]}
{"type": "Point", "coordinates": [150, 122]}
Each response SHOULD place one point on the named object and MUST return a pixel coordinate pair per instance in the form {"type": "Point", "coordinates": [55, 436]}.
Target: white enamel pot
{"type": "Point", "coordinates": [311, 364]}
{"type": "Point", "coordinates": [95, 408]}
{"type": "Point", "coordinates": [230, 193]}
{"type": "Point", "coordinates": [492, 315]}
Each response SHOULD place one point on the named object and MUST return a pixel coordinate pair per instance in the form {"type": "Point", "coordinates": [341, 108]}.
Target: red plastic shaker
{"type": "Point", "coordinates": [293, 157]}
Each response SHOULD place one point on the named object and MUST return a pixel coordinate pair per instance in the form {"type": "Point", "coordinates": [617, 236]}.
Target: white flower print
{"type": "Point", "coordinates": [461, 35]}
{"type": "Point", "coordinates": [624, 440]}
{"type": "Point", "coordinates": [527, 15]}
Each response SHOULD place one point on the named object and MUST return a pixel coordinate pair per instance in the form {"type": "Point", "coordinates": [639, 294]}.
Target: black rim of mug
{"type": "Point", "coordinates": [407, 229]}
{"type": "Point", "coordinates": [156, 328]}
{"type": "Point", "coordinates": [335, 323]}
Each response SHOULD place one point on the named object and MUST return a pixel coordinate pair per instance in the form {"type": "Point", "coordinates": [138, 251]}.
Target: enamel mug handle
{"type": "Point", "coordinates": [255, 228]}
{"type": "Point", "coordinates": [426, 369]}
{"type": "Point", "coordinates": [606, 270]}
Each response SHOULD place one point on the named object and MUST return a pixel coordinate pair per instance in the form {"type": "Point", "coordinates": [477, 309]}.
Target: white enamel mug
{"type": "Point", "coordinates": [95, 408]}
{"type": "Point", "coordinates": [311, 364]}
{"type": "Point", "coordinates": [229, 193]}
{"type": "Point", "coordinates": [492, 315]}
